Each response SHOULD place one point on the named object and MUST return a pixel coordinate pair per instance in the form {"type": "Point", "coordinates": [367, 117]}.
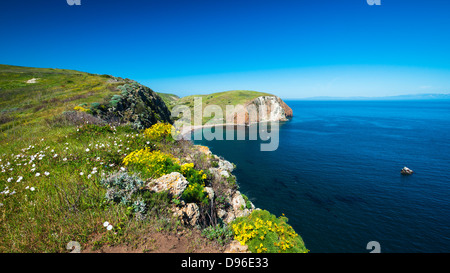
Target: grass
{"type": "Point", "coordinates": [169, 99]}
{"type": "Point", "coordinates": [51, 192]}
{"type": "Point", "coordinates": [56, 91]}
{"type": "Point", "coordinates": [50, 169]}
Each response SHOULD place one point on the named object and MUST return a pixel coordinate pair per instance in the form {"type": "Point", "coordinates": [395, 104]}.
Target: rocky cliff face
{"type": "Point", "coordinates": [136, 104]}
{"type": "Point", "coordinates": [232, 204]}
{"type": "Point", "coordinates": [275, 110]}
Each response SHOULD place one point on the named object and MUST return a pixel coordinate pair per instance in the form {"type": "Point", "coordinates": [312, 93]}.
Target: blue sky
{"type": "Point", "coordinates": [293, 49]}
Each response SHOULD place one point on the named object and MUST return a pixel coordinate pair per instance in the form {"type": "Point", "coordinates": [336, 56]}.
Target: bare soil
{"type": "Point", "coordinates": [189, 241]}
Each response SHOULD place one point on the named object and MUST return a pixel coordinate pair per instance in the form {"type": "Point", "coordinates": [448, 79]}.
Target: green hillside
{"type": "Point", "coordinates": [55, 91]}
{"type": "Point", "coordinates": [222, 99]}
{"type": "Point", "coordinates": [53, 161]}
{"type": "Point", "coordinates": [169, 99]}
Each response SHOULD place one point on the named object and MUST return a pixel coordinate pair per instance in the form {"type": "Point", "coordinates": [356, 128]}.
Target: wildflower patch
{"type": "Point", "coordinates": [263, 232]}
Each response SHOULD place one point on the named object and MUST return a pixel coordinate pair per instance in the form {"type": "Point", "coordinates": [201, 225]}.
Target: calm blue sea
{"type": "Point", "coordinates": [336, 174]}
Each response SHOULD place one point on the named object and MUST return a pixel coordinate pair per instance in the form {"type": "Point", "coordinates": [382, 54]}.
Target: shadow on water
{"type": "Point", "coordinates": [323, 203]}
{"type": "Point", "coordinates": [249, 161]}
{"type": "Point", "coordinates": [280, 182]}
{"type": "Point", "coordinates": [349, 199]}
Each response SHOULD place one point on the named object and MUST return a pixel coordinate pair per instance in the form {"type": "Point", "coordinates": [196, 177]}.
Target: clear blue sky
{"type": "Point", "coordinates": [294, 49]}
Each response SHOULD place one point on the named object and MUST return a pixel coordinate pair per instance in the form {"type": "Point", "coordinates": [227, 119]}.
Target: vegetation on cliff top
{"type": "Point", "coordinates": [221, 99]}
{"type": "Point", "coordinates": [65, 173]}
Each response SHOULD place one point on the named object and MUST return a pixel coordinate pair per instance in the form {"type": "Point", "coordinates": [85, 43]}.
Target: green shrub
{"type": "Point", "coordinates": [195, 193]}
{"type": "Point", "coordinates": [248, 204]}
{"type": "Point", "coordinates": [121, 188]}
{"type": "Point", "coordinates": [214, 164]}
{"type": "Point", "coordinates": [262, 231]}
{"type": "Point", "coordinates": [151, 164]}
{"type": "Point", "coordinates": [221, 234]}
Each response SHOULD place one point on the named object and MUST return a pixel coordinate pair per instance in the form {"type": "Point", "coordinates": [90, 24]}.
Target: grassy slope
{"type": "Point", "coordinates": [63, 166]}
{"type": "Point", "coordinates": [222, 99]}
{"type": "Point", "coordinates": [55, 91]}
{"type": "Point", "coordinates": [169, 99]}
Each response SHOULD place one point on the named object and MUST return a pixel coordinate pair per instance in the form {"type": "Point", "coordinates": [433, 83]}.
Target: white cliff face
{"type": "Point", "coordinates": [271, 108]}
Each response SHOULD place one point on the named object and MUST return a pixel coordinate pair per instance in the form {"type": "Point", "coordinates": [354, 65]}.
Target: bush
{"type": "Point", "coordinates": [126, 190]}
{"type": "Point", "coordinates": [192, 175]}
{"type": "Point", "coordinates": [154, 164]}
{"type": "Point", "coordinates": [248, 204]}
{"type": "Point", "coordinates": [137, 105]}
{"type": "Point", "coordinates": [81, 109]}
{"type": "Point", "coordinates": [221, 234]}
{"type": "Point", "coordinates": [214, 164]}
{"type": "Point", "coordinates": [74, 118]}
{"type": "Point", "coordinates": [264, 232]}
{"type": "Point", "coordinates": [151, 164]}
{"type": "Point", "coordinates": [159, 131]}
{"type": "Point", "coordinates": [195, 193]}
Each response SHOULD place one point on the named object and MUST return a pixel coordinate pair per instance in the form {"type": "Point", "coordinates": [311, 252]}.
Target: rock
{"type": "Point", "coordinates": [221, 213]}
{"type": "Point", "coordinates": [237, 209]}
{"type": "Point", "coordinates": [225, 173]}
{"type": "Point", "coordinates": [275, 110]}
{"type": "Point", "coordinates": [189, 214]}
{"type": "Point", "coordinates": [192, 213]}
{"type": "Point", "coordinates": [33, 80]}
{"type": "Point", "coordinates": [225, 165]}
{"type": "Point", "coordinates": [174, 182]}
{"type": "Point", "coordinates": [236, 247]}
{"type": "Point", "coordinates": [242, 213]}
{"type": "Point", "coordinates": [137, 105]}
{"type": "Point", "coordinates": [229, 216]}
{"type": "Point", "coordinates": [237, 201]}
{"type": "Point", "coordinates": [406, 171]}
{"type": "Point", "coordinates": [210, 193]}
{"type": "Point", "coordinates": [203, 149]}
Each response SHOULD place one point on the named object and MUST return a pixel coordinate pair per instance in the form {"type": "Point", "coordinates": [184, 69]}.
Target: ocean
{"type": "Point", "coordinates": [336, 174]}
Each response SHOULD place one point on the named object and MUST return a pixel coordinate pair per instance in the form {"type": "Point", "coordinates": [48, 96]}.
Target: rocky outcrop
{"type": "Point", "coordinates": [136, 104]}
{"type": "Point", "coordinates": [236, 247]}
{"type": "Point", "coordinates": [187, 213]}
{"type": "Point", "coordinates": [275, 110]}
{"type": "Point", "coordinates": [175, 183]}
